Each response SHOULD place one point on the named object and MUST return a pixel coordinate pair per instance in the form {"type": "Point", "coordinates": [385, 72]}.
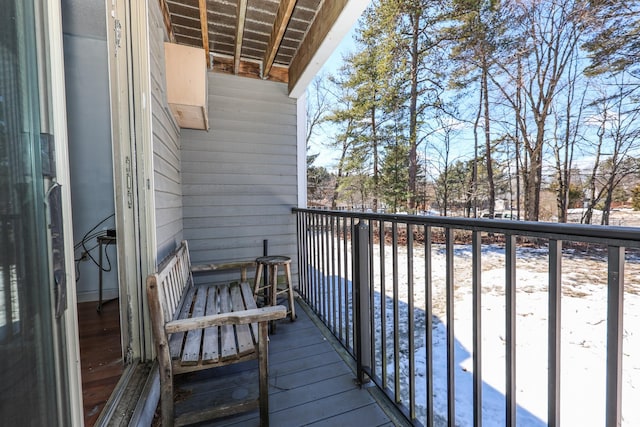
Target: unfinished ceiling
{"type": "Point", "coordinates": [269, 39]}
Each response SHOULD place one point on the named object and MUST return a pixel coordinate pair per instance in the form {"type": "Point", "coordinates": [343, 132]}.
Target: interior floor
{"type": "Point", "coordinates": [100, 355]}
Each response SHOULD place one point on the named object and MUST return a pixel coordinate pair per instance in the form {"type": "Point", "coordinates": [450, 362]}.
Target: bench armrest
{"type": "Point", "coordinates": [264, 314]}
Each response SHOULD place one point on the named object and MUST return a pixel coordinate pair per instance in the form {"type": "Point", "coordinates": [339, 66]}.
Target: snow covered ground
{"type": "Point", "coordinates": [583, 354]}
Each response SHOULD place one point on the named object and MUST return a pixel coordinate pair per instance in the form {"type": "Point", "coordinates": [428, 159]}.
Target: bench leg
{"type": "Point", "coordinates": [263, 368]}
{"type": "Point", "coordinates": [166, 403]}
{"type": "Point", "coordinates": [292, 309]}
{"type": "Point", "coordinates": [164, 358]}
{"type": "Point", "coordinates": [273, 293]}
{"type": "Point", "coordinates": [256, 281]}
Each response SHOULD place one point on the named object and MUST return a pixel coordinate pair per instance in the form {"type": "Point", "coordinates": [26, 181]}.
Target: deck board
{"type": "Point", "coordinates": [309, 383]}
{"type": "Point", "coordinates": [100, 355]}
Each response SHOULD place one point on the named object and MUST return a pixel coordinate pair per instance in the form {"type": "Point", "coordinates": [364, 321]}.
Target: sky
{"type": "Point", "coordinates": [462, 146]}
{"type": "Point", "coordinates": [328, 157]}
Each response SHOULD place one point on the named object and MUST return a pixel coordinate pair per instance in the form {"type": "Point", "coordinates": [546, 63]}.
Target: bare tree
{"type": "Point", "coordinates": [318, 106]}
{"type": "Point", "coordinates": [621, 119]}
{"type": "Point", "coordinates": [567, 134]}
{"type": "Point", "coordinates": [539, 47]}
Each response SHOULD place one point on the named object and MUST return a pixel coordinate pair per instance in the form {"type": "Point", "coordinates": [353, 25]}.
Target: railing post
{"type": "Point", "coordinates": [361, 297]}
{"type": "Point", "coordinates": [615, 311]}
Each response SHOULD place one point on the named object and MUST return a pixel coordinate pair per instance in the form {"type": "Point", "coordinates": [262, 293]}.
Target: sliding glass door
{"type": "Point", "coordinates": [32, 279]}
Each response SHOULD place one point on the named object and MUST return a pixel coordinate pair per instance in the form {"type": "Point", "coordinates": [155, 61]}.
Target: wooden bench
{"type": "Point", "coordinates": [199, 327]}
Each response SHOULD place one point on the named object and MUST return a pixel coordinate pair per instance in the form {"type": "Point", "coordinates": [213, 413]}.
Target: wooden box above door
{"type": "Point", "coordinates": [187, 85]}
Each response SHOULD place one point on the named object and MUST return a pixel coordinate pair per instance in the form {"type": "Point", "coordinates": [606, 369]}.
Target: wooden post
{"type": "Point", "coordinates": [162, 348]}
{"type": "Point", "coordinates": [263, 356]}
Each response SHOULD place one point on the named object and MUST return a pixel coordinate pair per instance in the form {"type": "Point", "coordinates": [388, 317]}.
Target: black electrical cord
{"type": "Point", "coordinates": [90, 235]}
{"type": "Point", "coordinates": [87, 234]}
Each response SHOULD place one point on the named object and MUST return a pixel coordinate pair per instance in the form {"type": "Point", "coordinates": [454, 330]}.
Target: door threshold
{"type": "Point", "coordinates": [130, 393]}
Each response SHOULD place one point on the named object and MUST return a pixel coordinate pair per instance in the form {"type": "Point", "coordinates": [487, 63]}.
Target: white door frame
{"type": "Point", "coordinates": [132, 167]}
{"type": "Point", "coordinates": [54, 77]}
{"type": "Point", "coordinates": [143, 126]}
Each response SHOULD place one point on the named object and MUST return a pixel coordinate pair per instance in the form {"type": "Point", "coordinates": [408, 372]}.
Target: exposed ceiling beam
{"type": "Point", "coordinates": [285, 10]}
{"type": "Point", "coordinates": [204, 29]}
{"type": "Point", "coordinates": [333, 21]}
{"type": "Point", "coordinates": [252, 69]}
{"type": "Point", "coordinates": [241, 13]}
{"type": "Point", "coordinates": [166, 17]}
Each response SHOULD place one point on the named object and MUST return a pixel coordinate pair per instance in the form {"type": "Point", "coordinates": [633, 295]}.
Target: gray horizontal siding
{"type": "Point", "coordinates": [239, 179]}
{"type": "Point", "coordinates": [166, 146]}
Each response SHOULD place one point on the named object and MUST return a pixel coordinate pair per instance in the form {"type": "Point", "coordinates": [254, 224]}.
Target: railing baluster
{"type": "Point", "coordinates": [321, 275]}
{"type": "Point", "coordinates": [372, 299]}
{"type": "Point", "coordinates": [428, 322]}
{"type": "Point", "coordinates": [310, 249]}
{"type": "Point", "coordinates": [411, 325]}
{"type": "Point", "coordinates": [340, 279]}
{"type": "Point", "coordinates": [615, 305]}
{"type": "Point", "coordinates": [510, 309]}
{"type": "Point", "coordinates": [327, 263]}
{"type": "Point", "coordinates": [349, 307]}
{"type": "Point", "coordinates": [333, 275]}
{"type": "Point", "coordinates": [451, 377]}
{"type": "Point", "coordinates": [383, 308]}
{"type": "Point", "coordinates": [323, 262]}
{"type": "Point", "coordinates": [555, 324]}
{"type": "Point", "coordinates": [300, 251]}
{"type": "Point", "coordinates": [305, 255]}
{"type": "Point", "coordinates": [477, 326]}
{"type": "Point", "coordinates": [314, 255]}
{"type": "Point", "coordinates": [396, 312]}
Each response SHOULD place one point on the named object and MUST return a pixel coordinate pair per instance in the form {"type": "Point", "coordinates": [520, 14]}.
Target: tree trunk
{"type": "Point", "coordinates": [413, 110]}
{"type": "Point", "coordinates": [376, 177]}
{"type": "Point", "coordinates": [487, 136]}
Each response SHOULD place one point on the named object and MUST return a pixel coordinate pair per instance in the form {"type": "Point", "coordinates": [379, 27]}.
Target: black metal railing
{"type": "Point", "coordinates": [391, 288]}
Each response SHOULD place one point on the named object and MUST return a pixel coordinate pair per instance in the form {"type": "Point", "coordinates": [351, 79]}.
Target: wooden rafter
{"type": "Point", "coordinates": [204, 28]}
{"type": "Point", "coordinates": [285, 10]}
{"type": "Point", "coordinates": [166, 17]}
{"type": "Point", "coordinates": [224, 64]}
{"type": "Point", "coordinates": [241, 13]}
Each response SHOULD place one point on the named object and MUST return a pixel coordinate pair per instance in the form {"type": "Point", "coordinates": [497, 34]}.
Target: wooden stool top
{"type": "Point", "coordinates": [273, 260]}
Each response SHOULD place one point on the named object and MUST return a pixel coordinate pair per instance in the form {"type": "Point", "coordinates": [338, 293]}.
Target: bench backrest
{"type": "Point", "coordinates": [172, 279]}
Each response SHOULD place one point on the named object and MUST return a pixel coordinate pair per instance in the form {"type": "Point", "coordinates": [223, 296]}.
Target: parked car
{"type": "Point", "coordinates": [506, 215]}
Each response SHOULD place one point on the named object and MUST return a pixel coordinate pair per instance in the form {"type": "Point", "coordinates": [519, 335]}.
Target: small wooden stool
{"type": "Point", "coordinates": [272, 292]}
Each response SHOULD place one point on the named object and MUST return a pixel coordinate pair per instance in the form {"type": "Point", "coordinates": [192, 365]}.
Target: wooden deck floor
{"type": "Point", "coordinates": [310, 383]}
{"type": "Point", "coordinates": [100, 356]}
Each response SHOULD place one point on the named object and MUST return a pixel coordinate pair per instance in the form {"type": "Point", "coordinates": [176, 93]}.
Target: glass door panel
{"type": "Point", "coordinates": [29, 392]}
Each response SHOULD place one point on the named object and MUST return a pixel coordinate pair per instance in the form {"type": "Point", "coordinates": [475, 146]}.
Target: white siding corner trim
{"type": "Point", "coordinates": [302, 150]}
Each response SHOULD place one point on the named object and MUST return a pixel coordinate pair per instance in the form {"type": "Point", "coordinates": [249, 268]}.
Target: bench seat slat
{"type": "Point", "coordinates": [243, 333]}
{"type": "Point", "coordinates": [177, 340]}
{"type": "Point", "coordinates": [228, 348]}
{"type": "Point", "coordinates": [250, 303]}
{"type": "Point", "coordinates": [193, 342]}
{"type": "Point", "coordinates": [210, 345]}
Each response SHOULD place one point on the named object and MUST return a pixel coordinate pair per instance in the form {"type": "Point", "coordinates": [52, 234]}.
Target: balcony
{"type": "Point", "coordinates": [452, 321]}
{"type": "Point", "coordinates": [493, 322]}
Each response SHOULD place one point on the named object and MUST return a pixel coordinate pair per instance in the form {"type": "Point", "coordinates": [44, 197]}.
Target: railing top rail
{"type": "Point", "coordinates": [609, 235]}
